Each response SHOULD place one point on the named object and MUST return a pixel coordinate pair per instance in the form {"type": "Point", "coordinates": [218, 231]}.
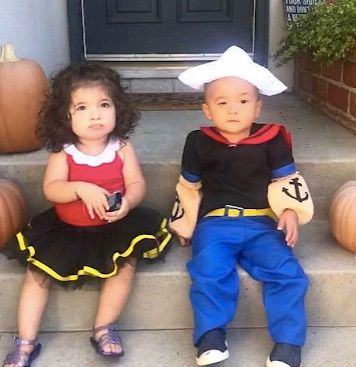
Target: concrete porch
{"type": "Point", "coordinates": [157, 321]}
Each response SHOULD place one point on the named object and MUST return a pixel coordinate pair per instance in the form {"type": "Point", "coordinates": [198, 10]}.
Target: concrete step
{"type": "Point", "coordinates": [160, 296]}
{"type": "Point", "coordinates": [325, 153]}
{"type": "Point", "coordinates": [331, 347]}
{"type": "Point", "coordinates": [153, 77]}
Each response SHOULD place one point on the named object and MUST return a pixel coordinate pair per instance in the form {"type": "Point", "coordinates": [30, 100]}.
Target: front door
{"type": "Point", "coordinates": [144, 30]}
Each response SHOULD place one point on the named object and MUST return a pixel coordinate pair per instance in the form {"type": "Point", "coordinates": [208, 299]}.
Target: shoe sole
{"type": "Point", "coordinates": [212, 356]}
{"type": "Point", "coordinates": [270, 363]}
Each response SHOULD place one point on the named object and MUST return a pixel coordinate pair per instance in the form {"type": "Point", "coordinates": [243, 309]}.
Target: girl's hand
{"type": "Point", "coordinates": [289, 221]}
{"type": "Point", "coordinates": [94, 198]}
{"type": "Point", "coordinates": [121, 213]}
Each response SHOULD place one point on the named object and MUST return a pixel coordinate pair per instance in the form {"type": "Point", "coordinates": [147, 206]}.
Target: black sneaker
{"type": "Point", "coordinates": [212, 348]}
{"type": "Point", "coordinates": [285, 355]}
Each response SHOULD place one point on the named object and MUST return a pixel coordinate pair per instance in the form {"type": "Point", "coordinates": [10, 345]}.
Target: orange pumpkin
{"type": "Point", "coordinates": [13, 210]}
{"type": "Point", "coordinates": [22, 89]}
{"type": "Point", "coordinates": [343, 215]}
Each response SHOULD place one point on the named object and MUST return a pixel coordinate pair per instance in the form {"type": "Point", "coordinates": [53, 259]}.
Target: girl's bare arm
{"type": "Point", "coordinates": [134, 180]}
{"type": "Point", "coordinates": [57, 188]}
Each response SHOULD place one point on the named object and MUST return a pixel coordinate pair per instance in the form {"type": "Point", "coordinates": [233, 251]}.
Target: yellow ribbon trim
{"type": "Point", "coordinates": [87, 270]}
{"type": "Point", "coordinates": [235, 212]}
{"type": "Point", "coordinates": [151, 254]}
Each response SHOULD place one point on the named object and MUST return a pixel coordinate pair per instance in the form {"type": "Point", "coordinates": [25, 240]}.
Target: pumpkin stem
{"type": "Point", "coordinates": [7, 53]}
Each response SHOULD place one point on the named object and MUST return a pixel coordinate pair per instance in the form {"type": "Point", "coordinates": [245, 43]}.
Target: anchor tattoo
{"type": "Point", "coordinates": [295, 182]}
{"type": "Point", "coordinates": [177, 211]}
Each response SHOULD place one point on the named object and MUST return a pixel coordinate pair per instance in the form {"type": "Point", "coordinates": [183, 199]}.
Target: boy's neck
{"type": "Point", "coordinates": [234, 137]}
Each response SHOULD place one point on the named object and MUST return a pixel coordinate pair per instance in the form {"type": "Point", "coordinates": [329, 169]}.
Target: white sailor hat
{"type": "Point", "coordinates": [233, 62]}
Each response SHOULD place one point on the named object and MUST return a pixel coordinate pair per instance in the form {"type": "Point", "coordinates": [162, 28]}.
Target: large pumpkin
{"type": "Point", "coordinates": [22, 89]}
{"type": "Point", "coordinates": [13, 210]}
{"type": "Point", "coordinates": [343, 215]}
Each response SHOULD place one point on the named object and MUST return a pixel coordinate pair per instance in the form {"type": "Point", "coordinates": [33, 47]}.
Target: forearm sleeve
{"type": "Point", "coordinates": [291, 193]}
{"type": "Point", "coordinates": [184, 214]}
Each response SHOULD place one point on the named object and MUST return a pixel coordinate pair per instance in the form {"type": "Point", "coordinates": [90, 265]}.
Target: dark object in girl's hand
{"type": "Point", "coordinates": [114, 201]}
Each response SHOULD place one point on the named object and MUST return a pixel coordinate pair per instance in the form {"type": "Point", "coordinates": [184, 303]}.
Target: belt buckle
{"type": "Point", "coordinates": [239, 208]}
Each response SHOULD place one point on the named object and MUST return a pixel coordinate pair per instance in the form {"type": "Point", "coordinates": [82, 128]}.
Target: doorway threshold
{"type": "Point", "coordinates": [152, 77]}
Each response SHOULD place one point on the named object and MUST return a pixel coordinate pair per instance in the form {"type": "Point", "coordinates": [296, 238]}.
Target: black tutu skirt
{"type": "Point", "coordinates": [68, 253]}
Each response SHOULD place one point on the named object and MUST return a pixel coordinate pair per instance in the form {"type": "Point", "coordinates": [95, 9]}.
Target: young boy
{"type": "Point", "coordinates": [237, 177]}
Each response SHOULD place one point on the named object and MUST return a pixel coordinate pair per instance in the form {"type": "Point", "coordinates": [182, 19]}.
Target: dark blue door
{"type": "Point", "coordinates": [166, 29]}
{"type": "Point", "coordinates": [172, 29]}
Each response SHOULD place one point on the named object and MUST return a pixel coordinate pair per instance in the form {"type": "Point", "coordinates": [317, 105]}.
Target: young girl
{"type": "Point", "coordinates": [85, 124]}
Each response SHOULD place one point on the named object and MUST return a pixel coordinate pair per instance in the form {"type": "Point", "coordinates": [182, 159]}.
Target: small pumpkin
{"type": "Point", "coordinates": [13, 210]}
{"type": "Point", "coordinates": [343, 216]}
{"type": "Point", "coordinates": [23, 85]}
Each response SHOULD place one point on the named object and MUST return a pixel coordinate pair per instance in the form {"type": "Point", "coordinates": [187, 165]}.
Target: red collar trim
{"type": "Point", "coordinates": [262, 135]}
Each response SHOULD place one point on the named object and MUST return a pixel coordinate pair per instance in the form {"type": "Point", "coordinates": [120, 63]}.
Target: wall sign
{"type": "Point", "coordinates": [294, 8]}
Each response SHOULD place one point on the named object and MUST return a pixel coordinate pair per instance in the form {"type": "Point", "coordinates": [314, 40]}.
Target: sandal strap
{"type": "Point", "coordinates": [110, 337]}
{"type": "Point", "coordinates": [111, 326]}
{"type": "Point", "coordinates": [18, 342]}
{"type": "Point", "coordinates": [19, 357]}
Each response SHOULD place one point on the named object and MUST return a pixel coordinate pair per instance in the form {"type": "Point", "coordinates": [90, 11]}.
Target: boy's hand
{"type": "Point", "coordinates": [289, 221]}
{"type": "Point", "coordinates": [183, 241]}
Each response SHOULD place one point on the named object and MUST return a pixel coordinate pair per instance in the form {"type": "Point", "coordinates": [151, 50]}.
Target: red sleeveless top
{"type": "Point", "coordinates": [106, 175]}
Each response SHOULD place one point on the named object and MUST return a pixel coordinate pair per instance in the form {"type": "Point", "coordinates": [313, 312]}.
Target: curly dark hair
{"type": "Point", "coordinates": [54, 126]}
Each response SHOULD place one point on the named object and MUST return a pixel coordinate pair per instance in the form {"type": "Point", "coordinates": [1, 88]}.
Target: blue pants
{"type": "Point", "coordinates": [219, 244]}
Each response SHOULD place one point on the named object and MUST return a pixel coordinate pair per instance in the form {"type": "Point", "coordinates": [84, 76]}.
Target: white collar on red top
{"type": "Point", "coordinates": [106, 156]}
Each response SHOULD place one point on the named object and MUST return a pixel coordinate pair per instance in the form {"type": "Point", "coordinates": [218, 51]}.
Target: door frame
{"type": "Point", "coordinates": [77, 39]}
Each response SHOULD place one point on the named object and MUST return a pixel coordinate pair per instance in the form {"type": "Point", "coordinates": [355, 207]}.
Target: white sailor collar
{"type": "Point", "coordinates": [106, 156]}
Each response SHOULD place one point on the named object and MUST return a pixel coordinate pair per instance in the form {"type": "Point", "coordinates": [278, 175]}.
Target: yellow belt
{"type": "Point", "coordinates": [235, 211]}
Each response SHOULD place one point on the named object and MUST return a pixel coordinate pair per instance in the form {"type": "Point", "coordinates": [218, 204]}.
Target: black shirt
{"type": "Point", "coordinates": [234, 174]}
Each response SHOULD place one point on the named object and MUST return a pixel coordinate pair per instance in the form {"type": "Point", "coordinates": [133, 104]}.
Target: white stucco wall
{"type": "Point", "coordinates": [276, 24]}
{"type": "Point", "coordinates": [38, 30]}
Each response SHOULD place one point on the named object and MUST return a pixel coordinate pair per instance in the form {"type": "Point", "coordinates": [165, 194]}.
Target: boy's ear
{"type": "Point", "coordinates": [206, 111]}
{"type": "Point", "coordinates": [258, 108]}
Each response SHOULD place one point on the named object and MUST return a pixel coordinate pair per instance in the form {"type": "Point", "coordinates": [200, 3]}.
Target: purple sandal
{"type": "Point", "coordinates": [110, 337]}
{"type": "Point", "coordinates": [20, 358]}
